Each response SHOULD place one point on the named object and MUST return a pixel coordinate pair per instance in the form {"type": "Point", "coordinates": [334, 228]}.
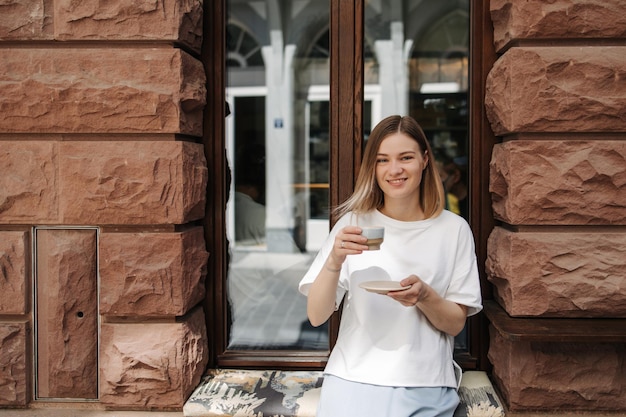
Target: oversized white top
{"type": "Point", "coordinates": [380, 341]}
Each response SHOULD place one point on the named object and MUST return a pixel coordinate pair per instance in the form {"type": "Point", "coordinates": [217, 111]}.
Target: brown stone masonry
{"type": "Point", "coordinates": [151, 274]}
{"type": "Point", "coordinates": [103, 90]}
{"type": "Point", "coordinates": [537, 20]}
{"type": "Point", "coordinates": [559, 376]}
{"type": "Point", "coordinates": [130, 20]}
{"type": "Point", "coordinates": [14, 248]}
{"type": "Point", "coordinates": [102, 182]}
{"type": "Point", "coordinates": [553, 274]}
{"type": "Point", "coordinates": [559, 181]}
{"type": "Point", "coordinates": [15, 333]}
{"type": "Point", "coordinates": [152, 365]}
{"type": "Point", "coordinates": [103, 178]}
{"type": "Point", "coordinates": [557, 97]}
{"type": "Point", "coordinates": [123, 20]}
{"type": "Point", "coordinates": [15, 362]}
{"type": "Point", "coordinates": [565, 89]}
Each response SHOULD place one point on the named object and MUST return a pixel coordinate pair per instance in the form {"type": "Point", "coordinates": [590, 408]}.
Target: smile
{"type": "Point", "coordinates": [396, 181]}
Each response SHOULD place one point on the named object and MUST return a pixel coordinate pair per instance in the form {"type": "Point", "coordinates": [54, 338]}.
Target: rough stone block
{"type": "Point", "coordinates": [87, 183]}
{"type": "Point", "coordinates": [550, 274]}
{"type": "Point", "coordinates": [171, 20]}
{"type": "Point", "coordinates": [25, 19]}
{"type": "Point", "coordinates": [14, 264]}
{"type": "Point", "coordinates": [132, 183]}
{"type": "Point", "coordinates": [557, 19]}
{"type": "Point", "coordinates": [559, 182]}
{"type": "Point", "coordinates": [559, 376]}
{"type": "Point", "coordinates": [152, 274]}
{"type": "Point", "coordinates": [28, 182]}
{"type": "Point", "coordinates": [152, 365]}
{"type": "Point", "coordinates": [565, 89]}
{"type": "Point", "coordinates": [85, 90]}
{"type": "Point", "coordinates": [15, 371]}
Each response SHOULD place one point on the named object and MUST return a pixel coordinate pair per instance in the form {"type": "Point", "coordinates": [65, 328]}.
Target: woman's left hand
{"type": "Point", "coordinates": [411, 296]}
{"type": "Point", "coordinates": [445, 315]}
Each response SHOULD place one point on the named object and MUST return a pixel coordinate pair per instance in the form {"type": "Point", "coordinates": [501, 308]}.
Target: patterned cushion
{"type": "Point", "coordinates": [272, 393]}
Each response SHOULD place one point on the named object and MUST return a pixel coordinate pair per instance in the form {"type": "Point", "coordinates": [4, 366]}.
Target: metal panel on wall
{"type": "Point", "coordinates": [66, 310]}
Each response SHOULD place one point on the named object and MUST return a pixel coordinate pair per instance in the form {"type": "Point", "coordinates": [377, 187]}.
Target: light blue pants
{"type": "Point", "coordinates": [341, 398]}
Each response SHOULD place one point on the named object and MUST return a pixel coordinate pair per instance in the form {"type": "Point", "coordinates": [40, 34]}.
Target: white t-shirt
{"type": "Point", "coordinates": [380, 341]}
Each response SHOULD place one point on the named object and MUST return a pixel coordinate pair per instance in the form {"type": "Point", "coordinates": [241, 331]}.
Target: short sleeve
{"type": "Point", "coordinates": [318, 264]}
{"type": "Point", "coordinates": [464, 287]}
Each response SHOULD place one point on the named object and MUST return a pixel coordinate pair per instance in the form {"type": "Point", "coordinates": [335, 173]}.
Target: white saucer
{"type": "Point", "coordinates": [382, 287]}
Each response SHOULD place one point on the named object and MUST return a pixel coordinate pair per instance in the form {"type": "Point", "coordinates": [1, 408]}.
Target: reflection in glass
{"type": "Point", "coordinates": [277, 145]}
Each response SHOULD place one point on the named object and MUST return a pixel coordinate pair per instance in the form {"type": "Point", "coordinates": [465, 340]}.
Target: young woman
{"type": "Point", "coordinates": [394, 352]}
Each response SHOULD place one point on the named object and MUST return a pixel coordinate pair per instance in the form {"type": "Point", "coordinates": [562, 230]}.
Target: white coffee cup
{"type": "Point", "coordinates": [374, 235]}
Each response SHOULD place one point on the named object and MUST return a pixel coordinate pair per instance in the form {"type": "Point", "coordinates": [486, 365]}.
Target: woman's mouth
{"type": "Point", "coordinates": [397, 181]}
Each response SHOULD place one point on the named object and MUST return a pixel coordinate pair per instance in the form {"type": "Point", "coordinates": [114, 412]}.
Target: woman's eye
{"type": "Point", "coordinates": [381, 160]}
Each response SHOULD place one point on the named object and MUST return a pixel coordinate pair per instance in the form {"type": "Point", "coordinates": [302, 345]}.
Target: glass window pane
{"type": "Point", "coordinates": [277, 145]}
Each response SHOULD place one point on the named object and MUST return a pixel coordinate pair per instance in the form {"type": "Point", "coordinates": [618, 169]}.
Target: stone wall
{"type": "Point", "coordinates": [557, 98]}
{"type": "Point", "coordinates": [102, 179]}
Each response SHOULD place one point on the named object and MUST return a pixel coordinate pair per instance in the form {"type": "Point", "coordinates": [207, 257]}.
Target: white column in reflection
{"type": "Point", "coordinates": [392, 56]}
{"type": "Point", "coordinates": [279, 144]}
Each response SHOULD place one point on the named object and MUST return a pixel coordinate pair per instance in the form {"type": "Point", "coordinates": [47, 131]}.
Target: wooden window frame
{"type": "Point", "coordinates": [346, 132]}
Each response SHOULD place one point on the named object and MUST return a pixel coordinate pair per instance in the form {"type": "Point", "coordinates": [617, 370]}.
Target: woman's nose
{"type": "Point", "coordinates": [395, 167]}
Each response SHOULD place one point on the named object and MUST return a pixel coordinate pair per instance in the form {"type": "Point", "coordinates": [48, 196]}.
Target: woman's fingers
{"type": "Point", "coordinates": [350, 240]}
{"type": "Point", "coordinates": [411, 296]}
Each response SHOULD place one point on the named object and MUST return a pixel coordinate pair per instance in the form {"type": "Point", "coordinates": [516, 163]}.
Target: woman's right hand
{"type": "Point", "coordinates": [348, 241]}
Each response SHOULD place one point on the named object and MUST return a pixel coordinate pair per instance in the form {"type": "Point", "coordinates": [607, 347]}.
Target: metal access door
{"type": "Point", "coordinates": [66, 313]}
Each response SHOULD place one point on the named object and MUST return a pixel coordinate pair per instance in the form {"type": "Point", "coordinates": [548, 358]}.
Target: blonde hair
{"type": "Point", "coordinates": [368, 196]}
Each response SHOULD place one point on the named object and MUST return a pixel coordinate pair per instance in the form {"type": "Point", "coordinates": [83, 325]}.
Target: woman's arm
{"type": "Point", "coordinates": [322, 293]}
{"type": "Point", "coordinates": [321, 298]}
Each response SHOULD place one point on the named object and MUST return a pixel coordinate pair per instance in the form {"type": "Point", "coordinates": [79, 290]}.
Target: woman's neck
{"type": "Point", "coordinates": [403, 211]}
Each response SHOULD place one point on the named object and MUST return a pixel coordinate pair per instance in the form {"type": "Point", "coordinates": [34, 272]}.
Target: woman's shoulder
{"type": "Point", "coordinates": [451, 219]}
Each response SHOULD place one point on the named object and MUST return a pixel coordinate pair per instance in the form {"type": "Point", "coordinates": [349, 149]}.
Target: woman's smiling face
{"type": "Point", "coordinates": [399, 167]}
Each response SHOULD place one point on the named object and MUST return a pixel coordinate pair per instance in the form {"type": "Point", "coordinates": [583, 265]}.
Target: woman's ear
{"type": "Point", "coordinates": [426, 159]}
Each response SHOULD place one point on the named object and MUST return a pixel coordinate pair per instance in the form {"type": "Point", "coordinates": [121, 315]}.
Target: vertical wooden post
{"type": "Point", "coordinates": [346, 105]}
{"type": "Point", "coordinates": [482, 139]}
{"type": "Point", "coordinates": [346, 97]}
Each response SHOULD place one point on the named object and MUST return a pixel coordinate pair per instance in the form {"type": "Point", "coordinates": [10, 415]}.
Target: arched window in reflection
{"type": "Point", "coordinates": [242, 49]}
